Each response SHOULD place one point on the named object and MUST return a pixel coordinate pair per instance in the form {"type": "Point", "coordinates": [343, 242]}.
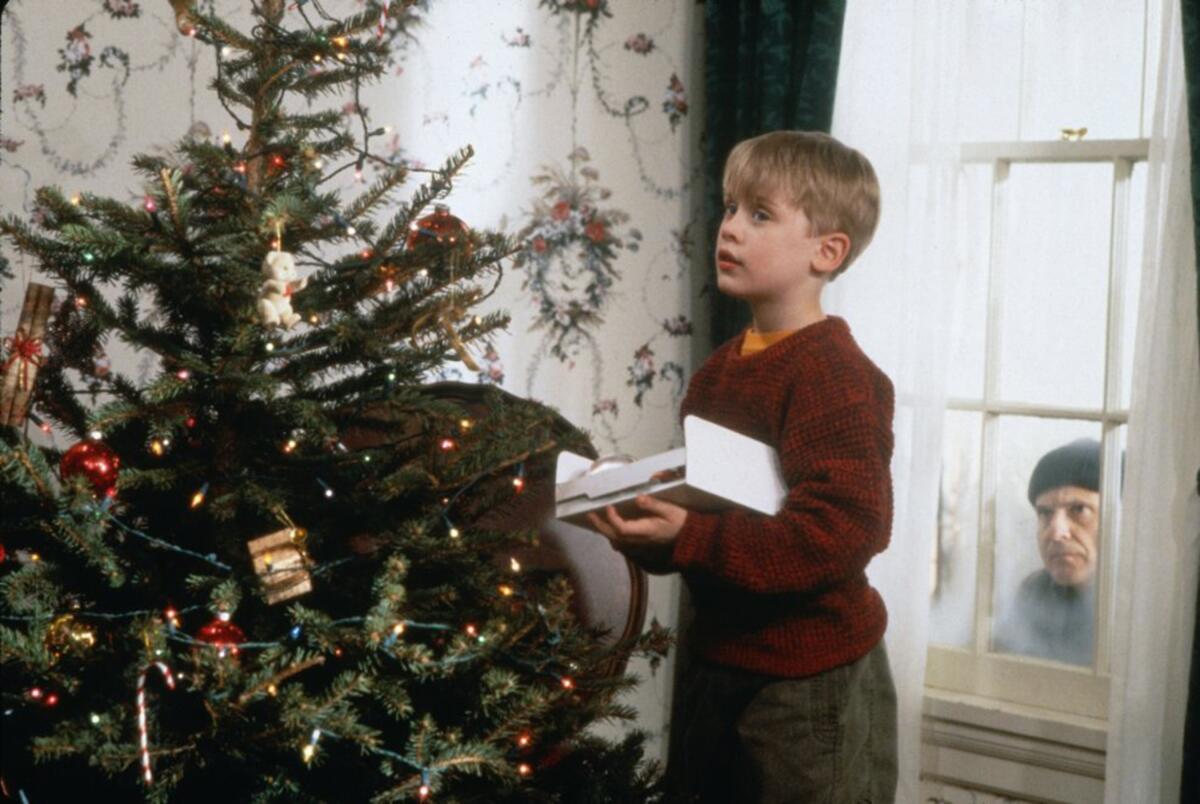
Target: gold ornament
{"type": "Point", "coordinates": [65, 636]}
{"type": "Point", "coordinates": [183, 16]}
{"type": "Point", "coordinates": [281, 563]}
{"type": "Point", "coordinates": [445, 317]}
{"type": "Point", "coordinates": [21, 355]}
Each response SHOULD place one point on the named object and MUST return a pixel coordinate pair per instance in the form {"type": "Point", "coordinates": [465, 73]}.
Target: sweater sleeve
{"type": "Point", "coordinates": [836, 516]}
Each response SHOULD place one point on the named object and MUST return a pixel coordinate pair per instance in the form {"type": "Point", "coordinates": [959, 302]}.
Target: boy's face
{"type": "Point", "coordinates": [764, 248]}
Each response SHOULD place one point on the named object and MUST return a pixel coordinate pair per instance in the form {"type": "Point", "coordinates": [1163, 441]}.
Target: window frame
{"type": "Point", "coordinates": [1062, 688]}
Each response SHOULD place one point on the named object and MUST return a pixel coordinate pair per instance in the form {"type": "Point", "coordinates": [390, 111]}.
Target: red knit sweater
{"type": "Point", "coordinates": [787, 595]}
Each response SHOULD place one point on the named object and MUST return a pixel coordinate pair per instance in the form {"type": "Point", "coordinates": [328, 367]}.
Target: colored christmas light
{"type": "Point", "coordinates": [198, 498]}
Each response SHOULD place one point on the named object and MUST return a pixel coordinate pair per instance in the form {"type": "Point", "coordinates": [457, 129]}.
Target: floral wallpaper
{"type": "Point", "coordinates": [585, 122]}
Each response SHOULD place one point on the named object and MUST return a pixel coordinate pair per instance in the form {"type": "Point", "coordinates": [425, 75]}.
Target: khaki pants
{"type": "Point", "coordinates": [740, 737]}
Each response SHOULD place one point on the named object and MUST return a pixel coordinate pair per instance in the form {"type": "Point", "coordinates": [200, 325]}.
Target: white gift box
{"type": "Point", "coordinates": [715, 470]}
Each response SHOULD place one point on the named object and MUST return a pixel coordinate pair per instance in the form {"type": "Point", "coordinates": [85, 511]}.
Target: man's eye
{"type": "Point", "coordinates": [730, 209]}
{"type": "Point", "coordinates": [760, 215]}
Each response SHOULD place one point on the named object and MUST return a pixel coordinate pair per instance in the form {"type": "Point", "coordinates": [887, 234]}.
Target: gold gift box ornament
{"type": "Point", "coordinates": [22, 355]}
{"type": "Point", "coordinates": [281, 564]}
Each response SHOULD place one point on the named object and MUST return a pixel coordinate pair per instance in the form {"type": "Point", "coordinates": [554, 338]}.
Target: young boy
{"type": "Point", "coordinates": [789, 696]}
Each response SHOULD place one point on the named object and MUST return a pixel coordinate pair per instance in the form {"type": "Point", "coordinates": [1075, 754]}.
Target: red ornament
{"type": "Point", "coordinates": [438, 229]}
{"type": "Point", "coordinates": [94, 461]}
{"type": "Point", "coordinates": [3, 553]}
{"type": "Point", "coordinates": [222, 635]}
{"type": "Point", "coordinates": [554, 756]}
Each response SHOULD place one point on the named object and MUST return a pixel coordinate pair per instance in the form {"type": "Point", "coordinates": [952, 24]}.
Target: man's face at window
{"type": "Point", "coordinates": [1068, 521]}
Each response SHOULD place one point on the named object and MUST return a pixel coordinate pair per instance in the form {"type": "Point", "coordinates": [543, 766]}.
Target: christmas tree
{"type": "Point", "coordinates": [287, 567]}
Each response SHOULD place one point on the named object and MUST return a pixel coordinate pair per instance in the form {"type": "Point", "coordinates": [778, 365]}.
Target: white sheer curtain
{"type": "Point", "coordinates": [1160, 535]}
{"type": "Point", "coordinates": [895, 104]}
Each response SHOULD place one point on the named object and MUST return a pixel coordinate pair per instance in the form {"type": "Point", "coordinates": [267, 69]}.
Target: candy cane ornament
{"type": "Point", "coordinates": [383, 14]}
{"type": "Point", "coordinates": [141, 707]}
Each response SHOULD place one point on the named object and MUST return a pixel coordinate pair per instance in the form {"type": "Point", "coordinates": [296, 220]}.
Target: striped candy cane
{"type": "Point", "coordinates": [141, 707]}
{"type": "Point", "coordinates": [383, 18]}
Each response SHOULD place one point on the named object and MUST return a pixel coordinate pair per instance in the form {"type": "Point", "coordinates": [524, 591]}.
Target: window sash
{"type": "Point", "coordinates": [1025, 680]}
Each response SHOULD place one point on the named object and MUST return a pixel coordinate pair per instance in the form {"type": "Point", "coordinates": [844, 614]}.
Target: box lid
{"type": "Point", "coordinates": [718, 465]}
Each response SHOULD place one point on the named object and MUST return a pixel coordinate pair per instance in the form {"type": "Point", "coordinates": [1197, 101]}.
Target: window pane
{"type": "Point", "coordinates": [1154, 45]}
{"type": "Point", "coordinates": [991, 72]}
{"type": "Point", "coordinates": [956, 545]}
{"type": "Point", "coordinates": [1133, 276]}
{"type": "Point", "coordinates": [1054, 248]}
{"type": "Point", "coordinates": [969, 325]}
{"type": "Point", "coordinates": [1045, 560]}
{"type": "Point", "coordinates": [1082, 66]}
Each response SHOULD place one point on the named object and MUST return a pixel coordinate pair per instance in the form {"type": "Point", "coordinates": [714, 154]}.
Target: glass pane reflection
{"type": "Point", "coordinates": [956, 546]}
{"type": "Point", "coordinates": [1054, 263]}
{"type": "Point", "coordinates": [1047, 538]}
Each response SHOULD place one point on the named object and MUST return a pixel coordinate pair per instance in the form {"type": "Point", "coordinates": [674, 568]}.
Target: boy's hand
{"type": "Point", "coordinates": [658, 528]}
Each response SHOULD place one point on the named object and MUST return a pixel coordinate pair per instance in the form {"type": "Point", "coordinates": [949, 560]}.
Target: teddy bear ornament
{"type": "Point", "coordinates": [280, 281]}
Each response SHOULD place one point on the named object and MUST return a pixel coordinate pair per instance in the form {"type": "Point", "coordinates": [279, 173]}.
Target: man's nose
{"type": "Point", "coordinates": [1060, 524]}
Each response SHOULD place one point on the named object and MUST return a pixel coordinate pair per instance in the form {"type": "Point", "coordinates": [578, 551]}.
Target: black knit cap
{"type": "Point", "coordinates": [1074, 464]}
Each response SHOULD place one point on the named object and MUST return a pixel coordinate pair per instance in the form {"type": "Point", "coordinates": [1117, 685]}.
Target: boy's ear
{"type": "Point", "coordinates": [831, 253]}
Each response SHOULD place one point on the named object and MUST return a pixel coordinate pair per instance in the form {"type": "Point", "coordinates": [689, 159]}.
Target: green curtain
{"type": "Point", "coordinates": [769, 64]}
{"type": "Point", "coordinates": [1191, 60]}
{"type": "Point", "coordinates": [1190, 787]}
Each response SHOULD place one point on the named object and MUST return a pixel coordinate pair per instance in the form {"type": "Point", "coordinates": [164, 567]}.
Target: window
{"type": "Point", "coordinates": [1021, 590]}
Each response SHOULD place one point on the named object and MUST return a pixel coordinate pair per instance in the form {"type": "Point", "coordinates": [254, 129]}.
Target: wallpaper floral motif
{"type": "Point", "coordinates": [586, 129]}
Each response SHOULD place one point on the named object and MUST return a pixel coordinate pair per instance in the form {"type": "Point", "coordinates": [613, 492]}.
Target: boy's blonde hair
{"type": "Point", "coordinates": [833, 184]}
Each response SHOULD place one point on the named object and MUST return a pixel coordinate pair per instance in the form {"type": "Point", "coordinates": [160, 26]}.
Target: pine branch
{"type": "Point", "coordinates": [169, 186]}
{"type": "Point", "coordinates": [278, 678]}
{"type": "Point", "coordinates": [377, 194]}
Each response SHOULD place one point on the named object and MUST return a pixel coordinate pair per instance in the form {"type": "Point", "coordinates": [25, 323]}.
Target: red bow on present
{"type": "Point", "coordinates": [25, 349]}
